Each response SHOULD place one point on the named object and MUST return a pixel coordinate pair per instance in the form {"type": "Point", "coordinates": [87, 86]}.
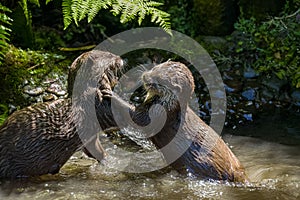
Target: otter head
{"type": "Point", "coordinates": [169, 82]}
{"type": "Point", "coordinates": [105, 66]}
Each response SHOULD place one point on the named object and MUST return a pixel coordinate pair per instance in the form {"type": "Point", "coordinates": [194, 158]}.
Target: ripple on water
{"type": "Point", "coordinates": [274, 170]}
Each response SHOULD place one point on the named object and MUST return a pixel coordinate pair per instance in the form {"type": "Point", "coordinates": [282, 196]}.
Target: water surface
{"type": "Point", "coordinates": [272, 163]}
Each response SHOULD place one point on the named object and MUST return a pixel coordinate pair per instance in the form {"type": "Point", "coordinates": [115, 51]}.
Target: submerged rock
{"type": "Point", "coordinates": [296, 97]}
{"type": "Point", "coordinates": [274, 83]}
{"type": "Point", "coordinates": [250, 73]}
{"type": "Point", "coordinates": [249, 94]}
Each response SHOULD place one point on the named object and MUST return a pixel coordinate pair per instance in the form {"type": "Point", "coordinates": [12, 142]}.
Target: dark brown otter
{"type": "Point", "coordinates": [203, 153]}
{"type": "Point", "coordinates": [39, 139]}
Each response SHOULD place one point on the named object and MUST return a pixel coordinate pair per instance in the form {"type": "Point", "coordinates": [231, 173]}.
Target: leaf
{"type": "Point", "coordinates": [36, 2]}
{"type": "Point", "coordinates": [66, 9]}
{"type": "Point", "coordinates": [77, 10]}
{"type": "Point", "coordinates": [48, 1]}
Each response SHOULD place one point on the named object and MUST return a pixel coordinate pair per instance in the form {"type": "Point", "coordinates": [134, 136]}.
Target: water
{"type": "Point", "coordinates": [272, 163]}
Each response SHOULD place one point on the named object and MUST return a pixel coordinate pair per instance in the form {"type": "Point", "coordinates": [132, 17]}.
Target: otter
{"type": "Point", "coordinates": [39, 139]}
{"type": "Point", "coordinates": [202, 152]}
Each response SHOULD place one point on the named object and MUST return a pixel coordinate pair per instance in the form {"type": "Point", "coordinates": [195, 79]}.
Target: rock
{"type": "Point", "coordinates": [296, 97]}
{"type": "Point", "coordinates": [250, 73]}
{"type": "Point", "coordinates": [248, 116]}
{"type": "Point", "coordinates": [60, 93]}
{"type": "Point", "coordinates": [274, 83]}
{"type": "Point", "coordinates": [49, 97]}
{"type": "Point", "coordinates": [266, 94]}
{"type": "Point", "coordinates": [33, 91]}
{"type": "Point", "coordinates": [49, 80]}
{"type": "Point", "coordinates": [56, 89]}
{"type": "Point", "coordinates": [11, 108]}
{"type": "Point", "coordinates": [228, 89]}
{"type": "Point", "coordinates": [249, 94]}
{"type": "Point", "coordinates": [233, 86]}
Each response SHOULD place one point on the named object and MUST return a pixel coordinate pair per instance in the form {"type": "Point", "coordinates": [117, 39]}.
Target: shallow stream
{"type": "Point", "coordinates": [272, 163]}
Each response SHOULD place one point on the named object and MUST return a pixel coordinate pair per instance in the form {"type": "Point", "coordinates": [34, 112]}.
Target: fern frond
{"type": "Point", "coordinates": [95, 7]}
{"type": "Point", "coordinates": [23, 4]}
{"type": "Point", "coordinates": [161, 18]}
{"type": "Point", "coordinates": [131, 9]}
{"type": "Point", "coordinates": [48, 1]}
{"type": "Point", "coordinates": [67, 12]}
{"type": "Point", "coordinates": [36, 2]}
{"type": "Point", "coordinates": [4, 30]}
{"type": "Point", "coordinates": [84, 7]}
{"type": "Point", "coordinates": [77, 10]}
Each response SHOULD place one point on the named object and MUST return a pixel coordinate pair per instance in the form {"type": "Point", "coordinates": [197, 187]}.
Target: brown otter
{"type": "Point", "coordinates": [201, 151]}
{"type": "Point", "coordinates": [40, 138]}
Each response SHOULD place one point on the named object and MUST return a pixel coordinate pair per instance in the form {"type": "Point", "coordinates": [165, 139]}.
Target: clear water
{"type": "Point", "coordinates": [272, 163]}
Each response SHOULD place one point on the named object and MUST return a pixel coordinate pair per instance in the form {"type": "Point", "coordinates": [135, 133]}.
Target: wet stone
{"type": "Point", "coordinates": [25, 82]}
{"type": "Point", "coordinates": [49, 97]}
{"type": "Point", "coordinates": [50, 80]}
{"type": "Point", "coordinates": [248, 116]}
{"type": "Point", "coordinates": [296, 97]}
{"type": "Point", "coordinates": [33, 91]}
{"type": "Point", "coordinates": [250, 73]}
{"type": "Point", "coordinates": [249, 94]}
{"type": "Point", "coordinates": [11, 108]}
{"type": "Point", "coordinates": [267, 95]}
{"type": "Point", "coordinates": [274, 83]}
{"type": "Point", "coordinates": [56, 89]}
{"type": "Point", "coordinates": [228, 89]}
{"type": "Point", "coordinates": [233, 86]}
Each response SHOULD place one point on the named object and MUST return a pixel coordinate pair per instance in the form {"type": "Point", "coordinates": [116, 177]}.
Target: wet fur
{"type": "Point", "coordinates": [39, 139]}
{"type": "Point", "coordinates": [207, 156]}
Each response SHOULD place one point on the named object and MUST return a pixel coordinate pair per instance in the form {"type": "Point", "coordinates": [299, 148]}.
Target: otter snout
{"type": "Point", "coordinates": [146, 78]}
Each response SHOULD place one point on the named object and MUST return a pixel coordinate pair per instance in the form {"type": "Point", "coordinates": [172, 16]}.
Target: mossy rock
{"type": "Point", "coordinates": [261, 10]}
{"type": "Point", "coordinates": [215, 17]}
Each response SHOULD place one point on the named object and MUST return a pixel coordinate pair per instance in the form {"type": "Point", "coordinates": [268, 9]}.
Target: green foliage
{"type": "Point", "coordinates": [215, 17]}
{"type": "Point", "coordinates": [181, 15]}
{"type": "Point", "coordinates": [20, 65]}
{"type": "Point", "coordinates": [3, 113]}
{"type": "Point", "coordinates": [22, 34]}
{"type": "Point", "coordinates": [272, 46]}
{"type": "Point", "coordinates": [4, 30]}
{"type": "Point", "coordinates": [77, 10]}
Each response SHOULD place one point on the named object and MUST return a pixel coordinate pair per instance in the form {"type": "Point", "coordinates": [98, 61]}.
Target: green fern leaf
{"type": "Point", "coordinates": [84, 7]}
{"type": "Point", "coordinates": [96, 6]}
{"type": "Point", "coordinates": [67, 12]}
{"type": "Point", "coordinates": [36, 2]}
{"type": "Point", "coordinates": [76, 10]}
{"type": "Point", "coordinates": [4, 30]}
{"type": "Point", "coordinates": [48, 1]}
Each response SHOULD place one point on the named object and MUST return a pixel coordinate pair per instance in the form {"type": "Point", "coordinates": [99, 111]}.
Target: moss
{"type": "Point", "coordinates": [21, 65]}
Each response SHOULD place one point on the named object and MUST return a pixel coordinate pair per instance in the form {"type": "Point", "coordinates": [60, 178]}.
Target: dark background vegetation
{"type": "Point", "coordinates": [255, 44]}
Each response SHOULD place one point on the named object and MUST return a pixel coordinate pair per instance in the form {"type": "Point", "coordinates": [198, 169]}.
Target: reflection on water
{"type": "Point", "coordinates": [273, 168]}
